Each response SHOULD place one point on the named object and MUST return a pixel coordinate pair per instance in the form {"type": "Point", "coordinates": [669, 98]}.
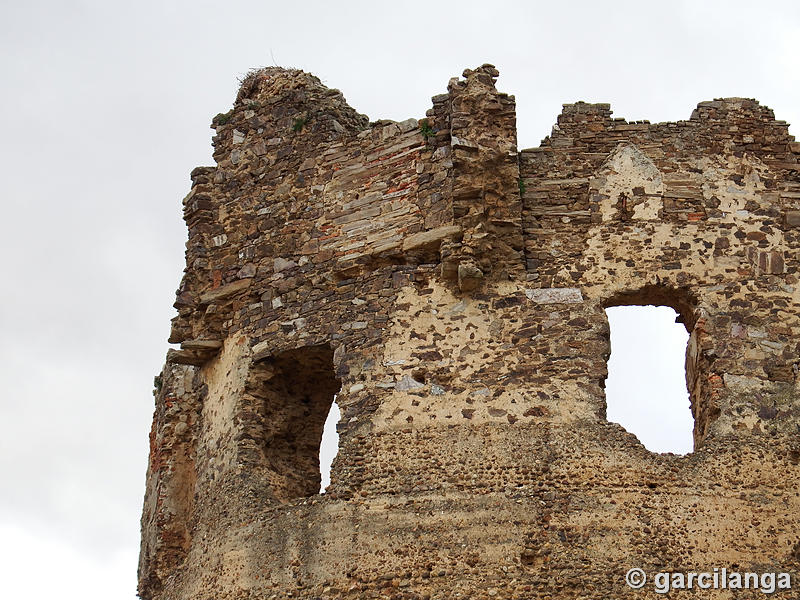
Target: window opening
{"type": "Point", "coordinates": [293, 394]}
{"type": "Point", "coordinates": [329, 446]}
{"type": "Point", "coordinates": [646, 389]}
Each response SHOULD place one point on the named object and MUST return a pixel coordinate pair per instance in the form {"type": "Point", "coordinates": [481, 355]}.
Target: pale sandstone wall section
{"type": "Point", "coordinates": [452, 290]}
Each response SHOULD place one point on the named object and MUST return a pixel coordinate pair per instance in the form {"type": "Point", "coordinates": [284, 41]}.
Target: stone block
{"type": "Point", "coordinates": [225, 291]}
{"type": "Point", "coordinates": [432, 237]}
{"type": "Point", "coordinates": [554, 295]}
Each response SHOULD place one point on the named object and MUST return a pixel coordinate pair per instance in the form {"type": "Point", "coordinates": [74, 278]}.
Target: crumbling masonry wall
{"type": "Point", "coordinates": [450, 291]}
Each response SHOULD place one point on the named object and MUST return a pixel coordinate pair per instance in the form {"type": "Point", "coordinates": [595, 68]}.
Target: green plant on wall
{"type": "Point", "coordinates": [425, 129]}
{"type": "Point", "coordinates": [299, 123]}
{"type": "Point", "coordinates": [522, 187]}
{"type": "Point", "coordinates": [222, 118]}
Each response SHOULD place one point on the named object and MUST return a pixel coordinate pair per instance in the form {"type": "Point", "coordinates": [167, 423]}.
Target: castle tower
{"type": "Point", "coordinates": [449, 291]}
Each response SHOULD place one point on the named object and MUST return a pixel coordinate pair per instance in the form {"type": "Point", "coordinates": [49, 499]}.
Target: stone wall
{"type": "Point", "coordinates": [450, 292]}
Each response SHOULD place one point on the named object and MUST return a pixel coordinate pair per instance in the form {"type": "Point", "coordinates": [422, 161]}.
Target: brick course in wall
{"type": "Point", "coordinates": [450, 291]}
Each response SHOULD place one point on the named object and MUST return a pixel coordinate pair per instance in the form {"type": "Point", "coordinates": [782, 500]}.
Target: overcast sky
{"type": "Point", "coordinates": [106, 107]}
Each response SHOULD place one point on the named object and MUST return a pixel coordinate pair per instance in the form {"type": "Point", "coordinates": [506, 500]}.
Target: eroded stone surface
{"type": "Point", "coordinates": [450, 291]}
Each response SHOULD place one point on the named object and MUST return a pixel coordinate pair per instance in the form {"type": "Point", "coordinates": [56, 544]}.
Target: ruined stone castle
{"type": "Point", "coordinates": [448, 290]}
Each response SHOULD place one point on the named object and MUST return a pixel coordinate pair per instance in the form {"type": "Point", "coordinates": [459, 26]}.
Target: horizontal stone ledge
{"type": "Point", "coordinates": [632, 127]}
{"type": "Point", "coordinates": [261, 350]}
{"type": "Point", "coordinates": [188, 357]}
{"type": "Point", "coordinates": [505, 223]}
{"type": "Point", "coordinates": [680, 183]}
{"type": "Point", "coordinates": [560, 213]}
{"type": "Point", "coordinates": [534, 150]}
{"type": "Point", "coordinates": [430, 237]}
{"type": "Point", "coordinates": [557, 182]}
{"type": "Point", "coordinates": [225, 291]}
{"type": "Point", "coordinates": [386, 247]}
{"type": "Point", "coordinates": [777, 164]}
{"type": "Point", "coordinates": [683, 193]}
{"type": "Point", "coordinates": [555, 295]}
{"type": "Point", "coordinates": [201, 344]}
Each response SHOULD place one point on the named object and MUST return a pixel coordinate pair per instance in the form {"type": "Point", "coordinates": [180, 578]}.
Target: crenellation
{"type": "Point", "coordinates": [449, 291]}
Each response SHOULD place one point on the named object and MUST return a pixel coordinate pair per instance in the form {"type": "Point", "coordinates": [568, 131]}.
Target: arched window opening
{"type": "Point", "coordinates": [646, 389]}
{"type": "Point", "coordinates": [329, 446]}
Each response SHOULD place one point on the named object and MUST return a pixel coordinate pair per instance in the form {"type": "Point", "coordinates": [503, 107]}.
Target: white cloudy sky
{"type": "Point", "coordinates": [106, 108]}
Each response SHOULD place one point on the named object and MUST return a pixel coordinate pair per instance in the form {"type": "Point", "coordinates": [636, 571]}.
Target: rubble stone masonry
{"type": "Point", "coordinates": [449, 291]}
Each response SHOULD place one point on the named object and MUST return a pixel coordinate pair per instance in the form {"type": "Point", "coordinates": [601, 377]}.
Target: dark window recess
{"type": "Point", "coordinates": [293, 391]}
